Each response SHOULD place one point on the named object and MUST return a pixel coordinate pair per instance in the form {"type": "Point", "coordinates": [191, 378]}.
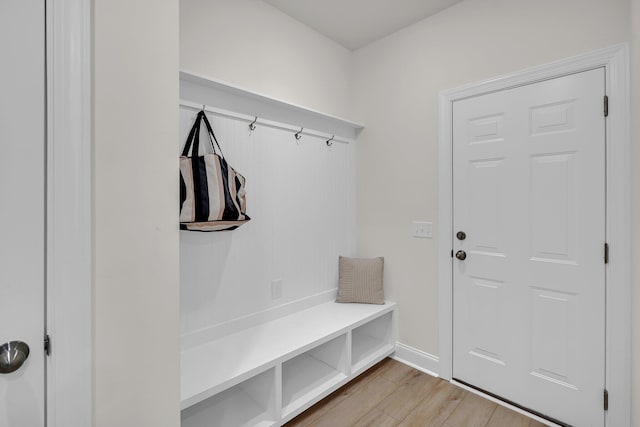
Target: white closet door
{"type": "Point", "coordinates": [22, 186]}
{"type": "Point", "coordinates": [529, 192]}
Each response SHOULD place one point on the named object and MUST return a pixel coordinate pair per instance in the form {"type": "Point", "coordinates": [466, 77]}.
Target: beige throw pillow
{"type": "Point", "coordinates": [360, 280]}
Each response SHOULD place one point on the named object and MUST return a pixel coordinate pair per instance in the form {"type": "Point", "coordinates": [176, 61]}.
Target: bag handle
{"type": "Point", "coordinates": [194, 137]}
{"type": "Point", "coordinates": [211, 134]}
{"type": "Point", "coordinates": [192, 132]}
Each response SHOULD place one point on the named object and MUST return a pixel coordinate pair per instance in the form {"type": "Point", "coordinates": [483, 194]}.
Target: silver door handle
{"type": "Point", "coordinates": [12, 355]}
{"type": "Point", "coordinates": [461, 255]}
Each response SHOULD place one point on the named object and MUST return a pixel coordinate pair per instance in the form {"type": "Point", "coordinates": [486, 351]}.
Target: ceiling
{"type": "Point", "coordinates": [356, 23]}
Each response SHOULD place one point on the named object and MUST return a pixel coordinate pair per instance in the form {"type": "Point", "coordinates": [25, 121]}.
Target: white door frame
{"type": "Point", "coordinates": [69, 393]}
{"type": "Point", "coordinates": [615, 59]}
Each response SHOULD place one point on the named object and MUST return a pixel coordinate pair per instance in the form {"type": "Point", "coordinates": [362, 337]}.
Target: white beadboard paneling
{"type": "Point", "coordinates": [219, 330]}
{"type": "Point", "coordinates": [301, 200]}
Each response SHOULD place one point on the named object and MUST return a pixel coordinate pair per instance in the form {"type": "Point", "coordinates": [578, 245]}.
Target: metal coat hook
{"type": "Point", "coordinates": [298, 134]}
{"type": "Point", "coordinates": [329, 143]}
{"type": "Point", "coordinates": [252, 125]}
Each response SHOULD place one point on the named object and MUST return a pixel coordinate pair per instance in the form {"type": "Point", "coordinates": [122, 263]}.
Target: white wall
{"type": "Point", "coordinates": [301, 198]}
{"type": "Point", "coordinates": [396, 82]}
{"type": "Point", "coordinates": [253, 45]}
{"type": "Point", "coordinates": [635, 209]}
{"type": "Point", "coordinates": [135, 191]}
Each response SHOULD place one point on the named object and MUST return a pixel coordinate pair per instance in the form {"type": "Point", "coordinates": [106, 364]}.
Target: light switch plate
{"type": "Point", "coordinates": [423, 229]}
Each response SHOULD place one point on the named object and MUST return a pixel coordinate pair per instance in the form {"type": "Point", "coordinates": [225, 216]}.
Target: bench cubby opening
{"type": "Point", "coordinates": [371, 340]}
{"type": "Point", "coordinates": [312, 373]}
{"type": "Point", "coordinates": [252, 403]}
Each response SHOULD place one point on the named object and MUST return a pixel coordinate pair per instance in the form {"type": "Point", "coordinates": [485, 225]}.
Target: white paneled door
{"type": "Point", "coordinates": [22, 211]}
{"type": "Point", "coordinates": [529, 271]}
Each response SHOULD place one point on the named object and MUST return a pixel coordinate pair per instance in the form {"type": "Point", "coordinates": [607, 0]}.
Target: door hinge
{"type": "Point", "coordinates": [606, 106]}
{"type": "Point", "coordinates": [451, 253]}
{"type": "Point", "coordinates": [606, 253]}
{"type": "Point", "coordinates": [606, 399]}
{"type": "Point", "coordinates": [47, 345]}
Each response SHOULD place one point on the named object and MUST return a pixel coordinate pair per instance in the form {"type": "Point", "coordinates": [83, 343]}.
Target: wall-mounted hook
{"type": "Point", "coordinates": [203, 107]}
{"type": "Point", "coordinates": [298, 134]}
{"type": "Point", "coordinates": [252, 125]}
{"type": "Point", "coordinates": [329, 143]}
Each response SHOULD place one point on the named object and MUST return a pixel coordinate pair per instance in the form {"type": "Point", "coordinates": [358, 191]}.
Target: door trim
{"type": "Point", "coordinates": [69, 389]}
{"type": "Point", "coordinates": [615, 60]}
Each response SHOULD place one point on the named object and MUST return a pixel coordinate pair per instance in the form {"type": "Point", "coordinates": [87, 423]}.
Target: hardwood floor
{"type": "Point", "coordinates": [392, 394]}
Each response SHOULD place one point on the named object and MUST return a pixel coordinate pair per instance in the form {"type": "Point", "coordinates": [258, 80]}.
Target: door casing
{"type": "Point", "coordinates": [69, 392]}
{"type": "Point", "coordinates": [615, 60]}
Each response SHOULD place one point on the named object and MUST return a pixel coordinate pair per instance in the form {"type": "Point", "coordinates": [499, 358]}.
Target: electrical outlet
{"type": "Point", "coordinates": [423, 229]}
{"type": "Point", "coordinates": [276, 289]}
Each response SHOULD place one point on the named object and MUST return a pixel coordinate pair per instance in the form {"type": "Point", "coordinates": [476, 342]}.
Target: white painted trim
{"type": "Point", "coordinates": [445, 239]}
{"type": "Point", "coordinates": [618, 272]}
{"type": "Point", "coordinates": [615, 59]}
{"type": "Point", "coordinates": [219, 330]}
{"type": "Point", "coordinates": [418, 359]}
{"type": "Point", "coordinates": [69, 262]}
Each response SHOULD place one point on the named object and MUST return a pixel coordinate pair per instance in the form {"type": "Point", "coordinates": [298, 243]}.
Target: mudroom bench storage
{"type": "Point", "coordinates": [267, 374]}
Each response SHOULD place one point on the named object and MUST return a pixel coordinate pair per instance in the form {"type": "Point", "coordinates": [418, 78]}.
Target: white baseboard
{"type": "Point", "coordinates": [425, 362]}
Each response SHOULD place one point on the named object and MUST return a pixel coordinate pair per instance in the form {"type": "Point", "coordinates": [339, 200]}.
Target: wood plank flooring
{"type": "Point", "coordinates": [392, 394]}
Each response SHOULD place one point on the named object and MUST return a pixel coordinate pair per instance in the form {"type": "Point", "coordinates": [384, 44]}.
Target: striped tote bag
{"type": "Point", "coordinates": [212, 193]}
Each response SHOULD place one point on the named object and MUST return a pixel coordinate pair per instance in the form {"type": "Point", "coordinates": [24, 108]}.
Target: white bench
{"type": "Point", "coordinates": [268, 374]}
